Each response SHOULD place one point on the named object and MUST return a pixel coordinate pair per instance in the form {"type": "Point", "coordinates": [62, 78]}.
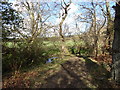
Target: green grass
{"type": "Point", "coordinates": [48, 43]}
{"type": "Point", "coordinates": [72, 43]}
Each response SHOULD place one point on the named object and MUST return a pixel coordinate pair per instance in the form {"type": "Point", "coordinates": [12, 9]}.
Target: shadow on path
{"type": "Point", "coordinates": [65, 78]}
{"type": "Point", "coordinates": [79, 74]}
{"type": "Point", "coordinates": [99, 74]}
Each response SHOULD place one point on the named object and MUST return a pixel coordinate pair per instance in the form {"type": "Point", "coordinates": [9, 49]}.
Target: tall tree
{"type": "Point", "coordinates": [109, 31]}
{"type": "Point", "coordinates": [116, 45]}
{"type": "Point", "coordinates": [91, 17]}
{"type": "Point", "coordinates": [35, 16]}
{"type": "Point", "coordinates": [10, 19]}
{"type": "Point", "coordinates": [64, 14]}
{"type": "Point", "coordinates": [109, 22]}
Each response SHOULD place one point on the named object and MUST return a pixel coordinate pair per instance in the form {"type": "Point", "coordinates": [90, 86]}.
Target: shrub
{"type": "Point", "coordinates": [25, 55]}
{"type": "Point", "coordinates": [81, 50]}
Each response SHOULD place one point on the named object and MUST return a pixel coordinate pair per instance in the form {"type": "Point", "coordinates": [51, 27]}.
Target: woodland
{"type": "Point", "coordinates": [60, 44]}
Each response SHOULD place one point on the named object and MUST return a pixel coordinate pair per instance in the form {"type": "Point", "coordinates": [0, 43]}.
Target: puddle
{"type": "Point", "coordinates": [51, 60]}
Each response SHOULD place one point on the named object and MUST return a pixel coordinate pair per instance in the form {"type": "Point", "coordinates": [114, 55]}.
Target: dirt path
{"type": "Point", "coordinates": [79, 73]}
{"type": "Point", "coordinates": [76, 72]}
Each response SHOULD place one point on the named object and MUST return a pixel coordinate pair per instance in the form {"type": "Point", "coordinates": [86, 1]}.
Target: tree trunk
{"type": "Point", "coordinates": [109, 33]}
{"type": "Point", "coordinates": [63, 17]}
{"type": "Point", "coordinates": [116, 45]}
{"type": "Point", "coordinates": [63, 46]}
{"type": "Point", "coordinates": [95, 33]}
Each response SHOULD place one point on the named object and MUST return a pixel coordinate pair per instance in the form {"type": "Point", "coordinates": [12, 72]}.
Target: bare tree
{"type": "Point", "coordinates": [109, 28]}
{"type": "Point", "coordinates": [65, 8]}
{"type": "Point", "coordinates": [116, 45]}
{"type": "Point", "coordinates": [109, 23]}
{"type": "Point", "coordinates": [92, 18]}
{"type": "Point", "coordinates": [35, 16]}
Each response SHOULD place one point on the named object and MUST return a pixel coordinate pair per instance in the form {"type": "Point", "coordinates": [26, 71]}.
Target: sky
{"type": "Point", "coordinates": [74, 10]}
{"type": "Point", "coordinates": [66, 0]}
